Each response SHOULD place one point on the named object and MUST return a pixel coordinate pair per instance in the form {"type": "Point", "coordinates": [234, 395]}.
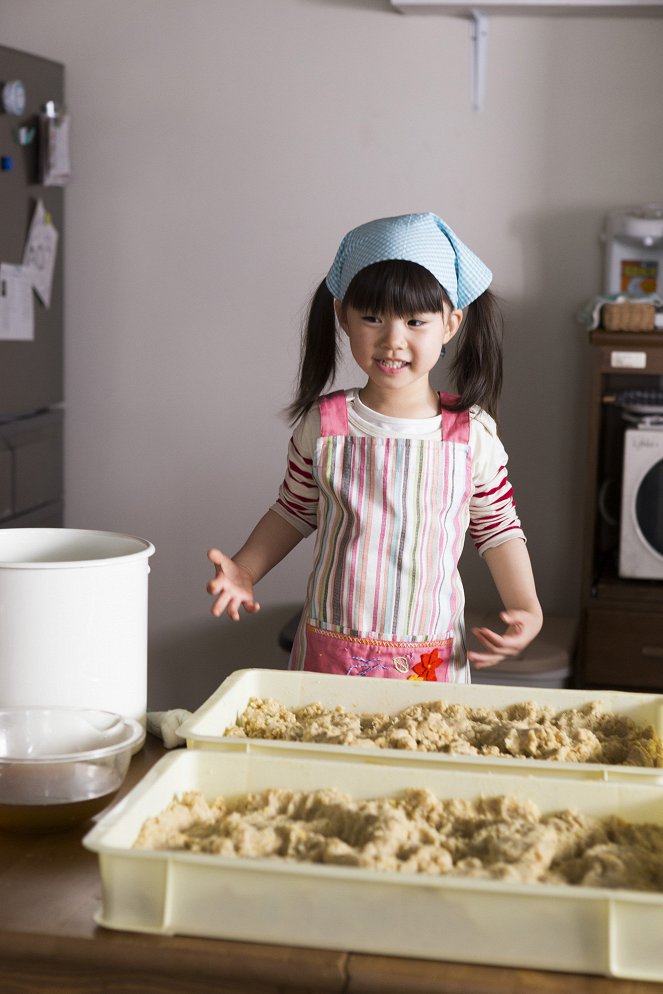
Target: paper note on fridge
{"type": "Point", "coordinates": [40, 251]}
{"type": "Point", "coordinates": [16, 307]}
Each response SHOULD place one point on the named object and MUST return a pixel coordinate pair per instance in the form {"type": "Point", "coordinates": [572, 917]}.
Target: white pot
{"type": "Point", "coordinates": [73, 619]}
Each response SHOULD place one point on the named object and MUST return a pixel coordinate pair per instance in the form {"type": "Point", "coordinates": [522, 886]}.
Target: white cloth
{"type": "Point", "coordinates": [165, 724]}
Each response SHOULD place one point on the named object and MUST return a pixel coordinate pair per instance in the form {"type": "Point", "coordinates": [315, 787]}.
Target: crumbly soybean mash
{"type": "Point", "coordinates": [499, 838]}
{"type": "Point", "coordinates": [589, 734]}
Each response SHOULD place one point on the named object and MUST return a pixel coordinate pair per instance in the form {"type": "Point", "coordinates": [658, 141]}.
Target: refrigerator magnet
{"type": "Point", "coordinates": [24, 135]}
{"type": "Point", "coordinates": [13, 97]}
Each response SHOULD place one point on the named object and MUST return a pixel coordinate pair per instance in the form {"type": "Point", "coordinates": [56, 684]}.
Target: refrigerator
{"type": "Point", "coordinates": [31, 370]}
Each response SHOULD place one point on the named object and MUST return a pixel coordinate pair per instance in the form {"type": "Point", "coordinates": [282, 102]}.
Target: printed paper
{"type": "Point", "coordinates": [40, 252]}
{"type": "Point", "coordinates": [16, 306]}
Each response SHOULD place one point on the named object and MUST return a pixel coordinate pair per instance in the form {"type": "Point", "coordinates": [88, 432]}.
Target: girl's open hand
{"type": "Point", "coordinates": [232, 586]}
{"type": "Point", "coordinates": [522, 627]}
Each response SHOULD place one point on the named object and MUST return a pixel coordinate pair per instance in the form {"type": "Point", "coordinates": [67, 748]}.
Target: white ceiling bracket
{"type": "Point", "coordinates": [479, 21]}
{"type": "Point", "coordinates": [479, 37]}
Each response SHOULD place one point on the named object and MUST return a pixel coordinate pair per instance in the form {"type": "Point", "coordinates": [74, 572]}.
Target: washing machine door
{"type": "Point", "coordinates": [641, 517]}
{"type": "Point", "coordinates": [649, 507]}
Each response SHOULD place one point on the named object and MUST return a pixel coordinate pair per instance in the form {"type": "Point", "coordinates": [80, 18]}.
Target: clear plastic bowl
{"type": "Point", "coordinates": [60, 766]}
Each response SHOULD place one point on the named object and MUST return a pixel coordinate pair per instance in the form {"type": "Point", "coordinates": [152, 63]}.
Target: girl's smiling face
{"type": "Point", "coordinates": [397, 354]}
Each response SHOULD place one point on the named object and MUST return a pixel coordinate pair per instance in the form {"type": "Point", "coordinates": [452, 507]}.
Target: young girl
{"type": "Point", "coordinates": [392, 474]}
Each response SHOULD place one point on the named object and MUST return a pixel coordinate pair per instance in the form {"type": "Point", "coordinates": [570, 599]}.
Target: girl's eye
{"type": "Point", "coordinates": [371, 318]}
{"type": "Point", "coordinates": [415, 323]}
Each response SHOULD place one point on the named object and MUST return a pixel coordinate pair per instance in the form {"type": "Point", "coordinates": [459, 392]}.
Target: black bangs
{"type": "Point", "coordinates": [396, 288]}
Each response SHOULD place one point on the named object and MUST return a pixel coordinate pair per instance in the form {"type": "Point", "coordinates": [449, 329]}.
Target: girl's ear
{"type": "Point", "coordinates": [453, 323]}
{"type": "Point", "coordinates": [338, 308]}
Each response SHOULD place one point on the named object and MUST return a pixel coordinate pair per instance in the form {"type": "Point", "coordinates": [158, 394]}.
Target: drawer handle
{"type": "Point", "coordinates": [653, 650]}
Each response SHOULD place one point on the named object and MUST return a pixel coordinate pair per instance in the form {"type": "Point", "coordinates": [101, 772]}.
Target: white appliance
{"type": "Point", "coordinates": [641, 531]}
{"type": "Point", "coordinates": [633, 239]}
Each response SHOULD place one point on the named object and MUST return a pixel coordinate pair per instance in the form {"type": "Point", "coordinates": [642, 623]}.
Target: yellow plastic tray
{"type": "Point", "coordinates": [204, 729]}
{"type": "Point", "coordinates": [539, 926]}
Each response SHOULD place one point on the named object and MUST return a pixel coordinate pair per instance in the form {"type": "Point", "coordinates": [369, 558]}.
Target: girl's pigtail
{"type": "Point", "coordinates": [477, 365]}
{"type": "Point", "coordinates": [319, 353]}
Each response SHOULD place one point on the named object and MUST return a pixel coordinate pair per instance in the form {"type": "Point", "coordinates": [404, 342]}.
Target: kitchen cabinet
{"type": "Point", "coordinates": [621, 633]}
{"type": "Point", "coordinates": [31, 470]}
{"type": "Point", "coordinates": [50, 891]}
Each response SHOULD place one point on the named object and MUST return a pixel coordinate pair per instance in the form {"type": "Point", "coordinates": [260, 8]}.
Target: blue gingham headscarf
{"type": "Point", "coordinates": [421, 238]}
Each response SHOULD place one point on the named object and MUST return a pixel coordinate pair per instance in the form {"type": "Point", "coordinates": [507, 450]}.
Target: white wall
{"type": "Point", "coordinates": [221, 148]}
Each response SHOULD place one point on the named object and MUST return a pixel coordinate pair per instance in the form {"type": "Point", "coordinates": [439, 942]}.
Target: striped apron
{"type": "Point", "coordinates": [385, 597]}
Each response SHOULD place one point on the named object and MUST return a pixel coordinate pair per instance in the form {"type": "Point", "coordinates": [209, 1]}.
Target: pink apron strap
{"type": "Point", "coordinates": [455, 424]}
{"type": "Point", "coordinates": [334, 414]}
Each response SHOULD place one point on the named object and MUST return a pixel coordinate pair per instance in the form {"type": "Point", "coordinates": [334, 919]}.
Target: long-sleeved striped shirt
{"type": "Point", "coordinates": [492, 516]}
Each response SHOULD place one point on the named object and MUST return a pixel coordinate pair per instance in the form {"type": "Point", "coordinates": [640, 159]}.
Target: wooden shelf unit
{"type": "Point", "coordinates": [621, 631]}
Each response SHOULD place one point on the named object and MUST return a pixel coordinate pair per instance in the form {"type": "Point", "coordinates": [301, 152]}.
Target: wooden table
{"type": "Point", "coordinates": [50, 890]}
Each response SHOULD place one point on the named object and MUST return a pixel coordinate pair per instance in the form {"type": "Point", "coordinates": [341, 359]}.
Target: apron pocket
{"type": "Point", "coordinates": [334, 652]}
